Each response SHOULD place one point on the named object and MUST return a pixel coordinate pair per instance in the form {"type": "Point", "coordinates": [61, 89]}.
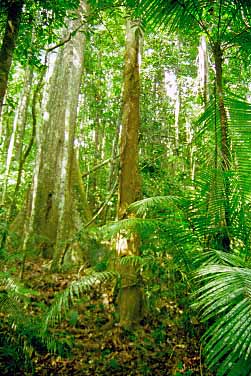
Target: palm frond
{"type": "Point", "coordinates": [240, 130]}
{"type": "Point", "coordinates": [157, 202]}
{"type": "Point", "coordinates": [170, 13]}
{"type": "Point", "coordinates": [197, 15]}
{"type": "Point", "coordinates": [226, 298]}
{"type": "Point", "coordinates": [211, 200]}
{"type": "Point", "coordinates": [217, 257]}
{"type": "Point", "coordinates": [129, 226]}
{"type": "Point", "coordinates": [134, 261]}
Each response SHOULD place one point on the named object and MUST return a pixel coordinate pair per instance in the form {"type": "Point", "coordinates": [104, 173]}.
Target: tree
{"type": "Point", "coordinates": [131, 299]}
{"type": "Point", "coordinates": [225, 25]}
{"type": "Point", "coordinates": [23, 19]}
{"type": "Point", "coordinates": [13, 19]}
{"type": "Point", "coordinates": [56, 196]}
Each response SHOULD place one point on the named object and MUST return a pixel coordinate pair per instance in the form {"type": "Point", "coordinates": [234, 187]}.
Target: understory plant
{"type": "Point", "coordinates": [23, 335]}
{"type": "Point", "coordinates": [224, 302]}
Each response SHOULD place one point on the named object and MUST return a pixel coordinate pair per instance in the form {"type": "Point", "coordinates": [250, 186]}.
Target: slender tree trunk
{"type": "Point", "coordinates": [23, 154]}
{"type": "Point", "coordinates": [113, 170]}
{"type": "Point", "coordinates": [225, 146]}
{"type": "Point", "coordinates": [130, 302]}
{"type": "Point", "coordinates": [203, 70]}
{"type": "Point", "coordinates": [23, 112]}
{"type": "Point", "coordinates": [177, 113]}
{"type": "Point", "coordinates": [18, 130]}
{"type": "Point", "coordinates": [9, 44]}
{"type": "Point", "coordinates": [225, 154]}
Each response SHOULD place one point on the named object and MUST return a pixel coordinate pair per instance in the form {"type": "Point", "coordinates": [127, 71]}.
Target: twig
{"type": "Point", "coordinates": [99, 166]}
{"type": "Point", "coordinates": [64, 41]}
{"type": "Point", "coordinates": [102, 206]}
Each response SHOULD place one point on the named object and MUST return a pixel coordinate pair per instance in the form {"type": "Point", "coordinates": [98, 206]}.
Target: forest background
{"type": "Point", "coordinates": [125, 168]}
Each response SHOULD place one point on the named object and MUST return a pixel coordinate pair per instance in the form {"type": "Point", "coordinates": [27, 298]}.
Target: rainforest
{"type": "Point", "coordinates": [125, 187]}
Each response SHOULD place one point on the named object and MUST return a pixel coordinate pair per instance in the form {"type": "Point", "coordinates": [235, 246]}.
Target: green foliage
{"type": "Point", "coordinates": [198, 15]}
{"type": "Point", "coordinates": [23, 334]}
{"type": "Point", "coordinates": [224, 300]}
{"type": "Point", "coordinates": [183, 225]}
{"type": "Point", "coordinates": [65, 300]}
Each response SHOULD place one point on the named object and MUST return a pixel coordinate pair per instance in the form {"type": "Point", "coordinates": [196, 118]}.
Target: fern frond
{"type": "Point", "coordinates": [63, 301]}
{"type": "Point", "coordinates": [23, 333]}
{"type": "Point", "coordinates": [132, 260]}
{"type": "Point", "coordinates": [13, 297]}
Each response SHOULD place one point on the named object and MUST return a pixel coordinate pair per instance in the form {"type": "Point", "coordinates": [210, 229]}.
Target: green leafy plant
{"type": "Point", "coordinates": [66, 299]}
{"type": "Point", "coordinates": [224, 300]}
{"type": "Point", "coordinates": [24, 334]}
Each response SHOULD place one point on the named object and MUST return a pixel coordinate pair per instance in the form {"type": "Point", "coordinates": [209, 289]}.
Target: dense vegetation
{"type": "Point", "coordinates": [125, 187]}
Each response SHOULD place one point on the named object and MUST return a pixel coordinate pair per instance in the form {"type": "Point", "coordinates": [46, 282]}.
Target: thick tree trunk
{"type": "Point", "coordinates": [52, 209]}
{"type": "Point", "coordinates": [9, 44]}
{"type": "Point", "coordinates": [131, 299]}
{"type": "Point", "coordinates": [129, 184]}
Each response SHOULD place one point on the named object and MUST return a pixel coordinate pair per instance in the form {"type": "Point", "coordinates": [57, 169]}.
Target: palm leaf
{"type": "Point", "coordinates": [157, 202]}
{"type": "Point", "coordinates": [216, 257]}
{"type": "Point", "coordinates": [240, 130]}
{"type": "Point", "coordinates": [226, 17]}
{"type": "Point", "coordinates": [226, 298]}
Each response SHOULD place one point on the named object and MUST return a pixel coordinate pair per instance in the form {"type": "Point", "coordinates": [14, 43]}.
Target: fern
{"type": "Point", "coordinates": [23, 334]}
{"type": "Point", "coordinates": [64, 300]}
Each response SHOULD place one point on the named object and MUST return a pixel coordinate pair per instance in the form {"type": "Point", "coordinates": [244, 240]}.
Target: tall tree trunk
{"type": "Point", "coordinates": [225, 155]}
{"type": "Point", "coordinates": [203, 70]}
{"type": "Point", "coordinates": [55, 195]}
{"type": "Point", "coordinates": [177, 112]}
{"type": "Point", "coordinates": [18, 129]}
{"type": "Point", "coordinates": [9, 44]}
{"type": "Point", "coordinates": [225, 146]}
{"type": "Point", "coordinates": [130, 302]}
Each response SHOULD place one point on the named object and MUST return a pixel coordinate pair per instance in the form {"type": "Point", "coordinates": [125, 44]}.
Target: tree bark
{"type": "Point", "coordinates": [225, 155]}
{"type": "Point", "coordinates": [8, 45]}
{"type": "Point", "coordinates": [225, 147]}
{"type": "Point", "coordinates": [55, 198]}
{"type": "Point", "coordinates": [203, 70]}
{"type": "Point", "coordinates": [131, 298]}
{"type": "Point", "coordinates": [18, 129]}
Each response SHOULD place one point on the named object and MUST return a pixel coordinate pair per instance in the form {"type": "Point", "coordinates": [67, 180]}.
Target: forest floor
{"type": "Point", "coordinates": [162, 345]}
